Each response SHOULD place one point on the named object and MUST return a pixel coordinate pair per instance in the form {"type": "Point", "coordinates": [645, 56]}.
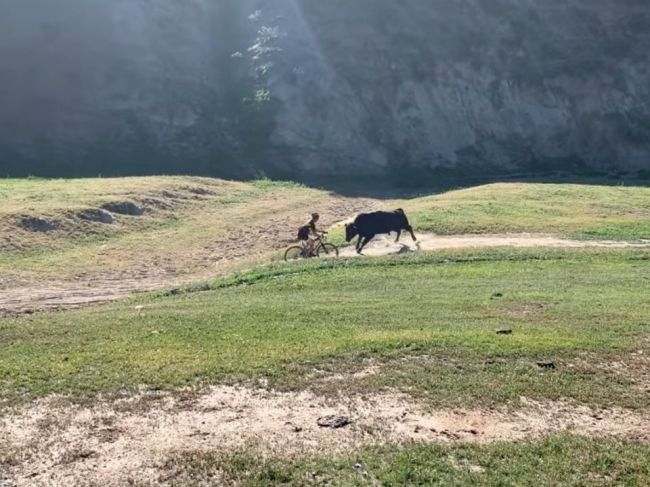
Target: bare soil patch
{"type": "Point", "coordinates": [113, 442]}
{"type": "Point", "coordinates": [386, 245]}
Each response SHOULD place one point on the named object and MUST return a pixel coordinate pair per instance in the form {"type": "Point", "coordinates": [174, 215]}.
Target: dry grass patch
{"type": "Point", "coordinates": [109, 238]}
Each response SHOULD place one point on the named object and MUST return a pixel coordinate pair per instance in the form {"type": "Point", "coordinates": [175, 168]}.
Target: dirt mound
{"type": "Point", "coordinates": [96, 215]}
{"type": "Point", "coordinates": [37, 224]}
{"type": "Point", "coordinates": [126, 440]}
{"type": "Point", "coordinates": [123, 208]}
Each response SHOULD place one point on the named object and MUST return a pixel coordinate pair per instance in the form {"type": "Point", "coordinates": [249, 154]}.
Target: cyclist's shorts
{"type": "Point", "coordinates": [303, 233]}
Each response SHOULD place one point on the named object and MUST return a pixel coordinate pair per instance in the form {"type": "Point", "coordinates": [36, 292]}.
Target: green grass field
{"type": "Point", "coordinates": [558, 460]}
{"type": "Point", "coordinates": [575, 211]}
{"type": "Point", "coordinates": [424, 323]}
{"type": "Point", "coordinates": [579, 308]}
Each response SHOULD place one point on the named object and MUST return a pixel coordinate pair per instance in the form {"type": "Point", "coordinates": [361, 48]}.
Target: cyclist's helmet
{"type": "Point", "coordinates": [315, 216]}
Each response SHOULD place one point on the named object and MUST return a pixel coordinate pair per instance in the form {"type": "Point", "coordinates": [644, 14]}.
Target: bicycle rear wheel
{"type": "Point", "coordinates": [293, 253]}
{"type": "Point", "coordinates": [328, 250]}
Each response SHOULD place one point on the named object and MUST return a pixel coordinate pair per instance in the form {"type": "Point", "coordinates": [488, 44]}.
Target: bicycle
{"type": "Point", "coordinates": [320, 249]}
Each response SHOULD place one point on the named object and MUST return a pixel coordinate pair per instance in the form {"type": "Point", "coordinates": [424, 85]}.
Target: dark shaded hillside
{"type": "Point", "coordinates": [305, 88]}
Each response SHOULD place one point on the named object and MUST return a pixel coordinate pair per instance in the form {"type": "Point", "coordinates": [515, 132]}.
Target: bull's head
{"type": "Point", "coordinates": [351, 231]}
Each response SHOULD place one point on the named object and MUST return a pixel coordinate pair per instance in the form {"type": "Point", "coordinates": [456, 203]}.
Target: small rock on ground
{"type": "Point", "coordinates": [545, 364]}
{"type": "Point", "coordinates": [333, 421]}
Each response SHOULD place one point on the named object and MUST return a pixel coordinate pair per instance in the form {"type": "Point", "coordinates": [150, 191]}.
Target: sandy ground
{"type": "Point", "coordinates": [118, 442]}
{"type": "Point", "coordinates": [385, 245]}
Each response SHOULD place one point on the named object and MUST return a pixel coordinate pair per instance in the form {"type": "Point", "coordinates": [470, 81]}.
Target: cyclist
{"type": "Point", "coordinates": [307, 232]}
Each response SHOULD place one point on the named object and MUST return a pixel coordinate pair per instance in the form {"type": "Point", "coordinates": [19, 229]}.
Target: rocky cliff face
{"type": "Point", "coordinates": [301, 88]}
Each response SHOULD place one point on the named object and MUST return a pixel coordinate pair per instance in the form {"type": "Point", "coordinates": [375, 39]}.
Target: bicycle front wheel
{"type": "Point", "coordinates": [328, 250]}
{"type": "Point", "coordinates": [293, 253]}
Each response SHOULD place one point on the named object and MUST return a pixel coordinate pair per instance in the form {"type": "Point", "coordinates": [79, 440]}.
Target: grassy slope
{"type": "Point", "coordinates": [576, 211]}
{"type": "Point", "coordinates": [174, 209]}
{"type": "Point", "coordinates": [282, 322]}
{"type": "Point", "coordinates": [177, 219]}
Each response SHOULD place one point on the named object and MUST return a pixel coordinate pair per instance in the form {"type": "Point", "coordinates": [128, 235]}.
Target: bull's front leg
{"type": "Point", "coordinates": [361, 246]}
{"type": "Point", "coordinates": [410, 229]}
{"type": "Point", "coordinates": [365, 242]}
{"type": "Point", "coordinates": [358, 243]}
{"type": "Point", "coordinates": [399, 233]}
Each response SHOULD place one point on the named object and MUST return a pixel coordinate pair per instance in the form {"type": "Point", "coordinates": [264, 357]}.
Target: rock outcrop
{"type": "Point", "coordinates": [305, 88]}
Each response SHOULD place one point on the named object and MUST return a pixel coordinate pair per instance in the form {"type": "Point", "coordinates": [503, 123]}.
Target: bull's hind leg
{"type": "Point", "coordinates": [410, 229]}
{"type": "Point", "coordinates": [399, 233]}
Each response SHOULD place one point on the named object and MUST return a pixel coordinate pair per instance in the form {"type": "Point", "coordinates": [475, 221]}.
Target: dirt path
{"type": "Point", "coordinates": [385, 245]}
{"type": "Point", "coordinates": [265, 238]}
{"type": "Point", "coordinates": [126, 441]}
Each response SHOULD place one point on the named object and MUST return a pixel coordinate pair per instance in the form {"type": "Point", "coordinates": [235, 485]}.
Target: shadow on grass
{"type": "Point", "coordinates": [429, 184]}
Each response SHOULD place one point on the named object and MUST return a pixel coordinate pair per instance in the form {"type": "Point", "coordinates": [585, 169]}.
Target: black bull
{"type": "Point", "coordinates": [367, 225]}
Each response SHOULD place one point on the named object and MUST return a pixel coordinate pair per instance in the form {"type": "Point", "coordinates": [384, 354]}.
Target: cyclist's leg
{"type": "Point", "coordinates": [314, 242]}
{"type": "Point", "coordinates": [305, 247]}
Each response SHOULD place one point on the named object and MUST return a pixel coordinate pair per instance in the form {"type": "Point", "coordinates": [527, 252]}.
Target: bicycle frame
{"type": "Point", "coordinates": [314, 250]}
